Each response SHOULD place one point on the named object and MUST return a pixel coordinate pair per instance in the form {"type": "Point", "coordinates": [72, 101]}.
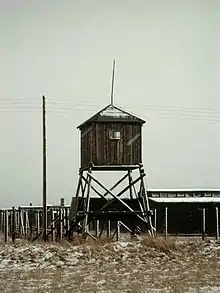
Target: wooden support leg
{"type": "Point", "coordinates": [130, 183]}
{"type": "Point", "coordinates": [86, 208]}
{"type": "Point", "coordinates": [143, 194]}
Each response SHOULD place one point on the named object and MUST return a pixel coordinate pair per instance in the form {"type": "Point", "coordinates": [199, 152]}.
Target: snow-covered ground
{"type": "Point", "coordinates": [182, 265]}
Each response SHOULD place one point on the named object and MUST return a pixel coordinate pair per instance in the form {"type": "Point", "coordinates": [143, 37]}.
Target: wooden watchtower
{"type": "Point", "coordinates": [111, 140]}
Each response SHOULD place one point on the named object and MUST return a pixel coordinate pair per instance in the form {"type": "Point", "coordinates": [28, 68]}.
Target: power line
{"type": "Point", "coordinates": [85, 107]}
{"type": "Point", "coordinates": [69, 111]}
{"type": "Point", "coordinates": [162, 112]}
{"type": "Point", "coordinates": [98, 105]}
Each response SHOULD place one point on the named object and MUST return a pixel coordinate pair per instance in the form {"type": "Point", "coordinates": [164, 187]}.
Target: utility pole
{"type": "Point", "coordinates": [44, 173]}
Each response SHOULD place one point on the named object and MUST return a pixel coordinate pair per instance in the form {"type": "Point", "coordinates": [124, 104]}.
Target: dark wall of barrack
{"type": "Point", "coordinates": [183, 218]}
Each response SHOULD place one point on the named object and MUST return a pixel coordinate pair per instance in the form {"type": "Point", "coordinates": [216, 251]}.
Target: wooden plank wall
{"type": "Point", "coordinates": [99, 149]}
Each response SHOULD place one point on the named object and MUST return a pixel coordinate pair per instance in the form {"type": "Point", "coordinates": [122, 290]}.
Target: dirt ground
{"type": "Point", "coordinates": [136, 266]}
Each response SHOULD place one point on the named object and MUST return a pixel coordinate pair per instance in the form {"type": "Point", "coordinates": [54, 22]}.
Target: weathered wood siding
{"type": "Point", "coordinates": [97, 147]}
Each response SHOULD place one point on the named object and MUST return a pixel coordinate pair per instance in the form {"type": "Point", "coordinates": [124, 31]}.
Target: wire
{"type": "Point", "coordinates": [158, 116]}
{"type": "Point", "coordinates": [4, 106]}
{"type": "Point", "coordinates": [89, 103]}
{"type": "Point", "coordinates": [86, 108]}
{"type": "Point", "coordinates": [24, 105]}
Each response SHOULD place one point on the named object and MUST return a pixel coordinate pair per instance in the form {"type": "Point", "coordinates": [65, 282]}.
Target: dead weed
{"type": "Point", "coordinates": [161, 244]}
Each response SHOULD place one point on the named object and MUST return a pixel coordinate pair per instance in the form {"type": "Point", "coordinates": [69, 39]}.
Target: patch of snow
{"type": "Point", "coordinates": [111, 111]}
{"type": "Point", "coordinates": [132, 264]}
{"type": "Point", "coordinates": [207, 289]}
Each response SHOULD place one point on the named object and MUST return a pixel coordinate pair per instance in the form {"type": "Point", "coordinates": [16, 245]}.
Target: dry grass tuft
{"type": "Point", "coordinates": [100, 241]}
{"type": "Point", "coordinates": [80, 240]}
{"type": "Point", "coordinates": [77, 241]}
{"type": "Point", "coordinates": [161, 244]}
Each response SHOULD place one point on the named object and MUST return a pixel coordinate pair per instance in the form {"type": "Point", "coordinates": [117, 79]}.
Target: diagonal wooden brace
{"type": "Point", "coordinates": [123, 191]}
{"type": "Point", "coordinates": [116, 197]}
{"type": "Point", "coordinates": [94, 189]}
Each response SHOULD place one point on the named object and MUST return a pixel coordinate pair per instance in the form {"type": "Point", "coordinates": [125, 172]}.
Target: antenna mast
{"type": "Point", "coordinates": [113, 80]}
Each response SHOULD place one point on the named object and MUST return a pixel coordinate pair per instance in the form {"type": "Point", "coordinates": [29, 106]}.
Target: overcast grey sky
{"type": "Point", "coordinates": [167, 72]}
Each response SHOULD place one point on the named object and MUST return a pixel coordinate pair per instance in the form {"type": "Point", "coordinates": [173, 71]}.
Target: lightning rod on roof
{"type": "Point", "coordinates": [113, 80]}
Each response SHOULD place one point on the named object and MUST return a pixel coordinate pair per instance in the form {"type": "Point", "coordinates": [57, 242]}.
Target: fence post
{"type": "Point", "coordinates": [38, 222]}
{"type": "Point", "coordinates": [62, 202]}
{"type": "Point", "coordinates": [108, 229]}
{"type": "Point", "coordinates": [17, 221]}
{"type": "Point", "coordinates": [117, 231]}
{"type": "Point", "coordinates": [60, 224]}
{"type": "Point", "coordinates": [217, 223]}
{"type": "Point", "coordinates": [25, 222]}
{"type": "Point", "coordinates": [203, 223]}
{"type": "Point", "coordinates": [155, 220]}
{"type": "Point", "coordinates": [6, 225]}
{"type": "Point", "coordinates": [52, 225]}
{"type": "Point", "coordinates": [97, 228]}
{"type": "Point", "coordinates": [1, 221]}
{"type": "Point", "coordinates": [67, 220]}
{"type": "Point", "coordinates": [13, 224]}
{"type": "Point", "coordinates": [21, 214]}
{"type": "Point", "coordinates": [30, 220]}
{"type": "Point", "coordinates": [166, 228]}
